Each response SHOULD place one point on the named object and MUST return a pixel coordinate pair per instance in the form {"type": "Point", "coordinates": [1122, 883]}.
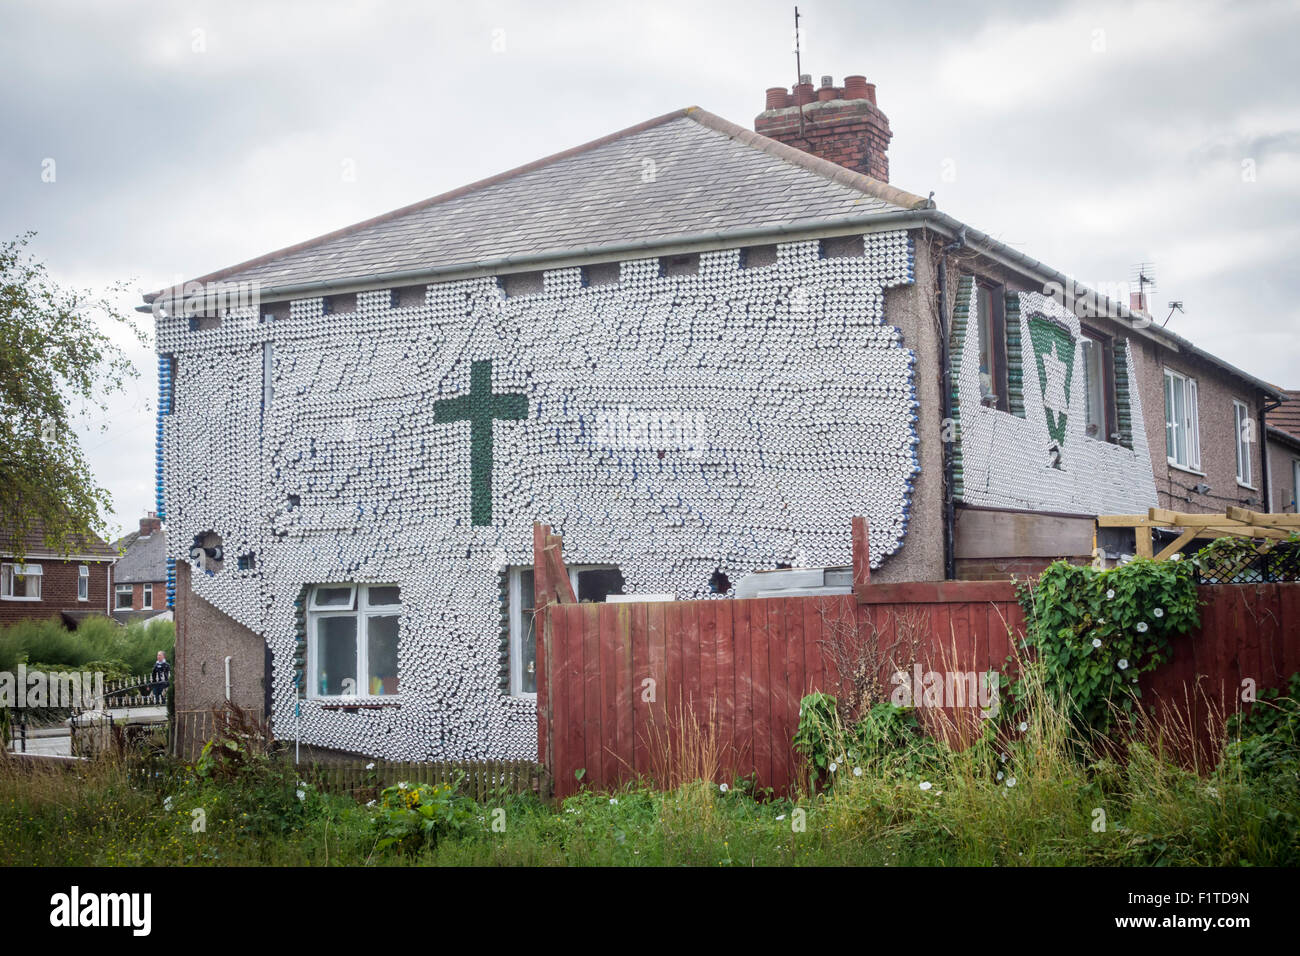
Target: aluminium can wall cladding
{"type": "Point", "coordinates": [1041, 459]}
{"type": "Point", "coordinates": [670, 424]}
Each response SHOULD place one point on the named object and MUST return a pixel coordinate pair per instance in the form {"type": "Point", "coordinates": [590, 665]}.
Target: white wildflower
{"type": "Point", "coordinates": [926, 784]}
{"type": "Point", "coordinates": [1159, 612]}
{"type": "Point", "coordinates": [1011, 781]}
{"type": "Point", "coordinates": [857, 771]}
{"type": "Point", "coordinates": [723, 787]}
{"type": "Point", "coordinates": [1142, 627]}
{"type": "Point", "coordinates": [1024, 725]}
{"type": "Point", "coordinates": [613, 800]}
{"type": "Point", "coordinates": [833, 766]}
{"type": "Point", "coordinates": [1096, 642]}
{"type": "Point", "coordinates": [1123, 663]}
{"type": "Point", "coordinates": [302, 795]}
{"type": "Point", "coordinates": [1110, 594]}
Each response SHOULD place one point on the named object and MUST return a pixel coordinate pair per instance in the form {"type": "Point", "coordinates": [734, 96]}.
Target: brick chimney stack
{"type": "Point", "coordinates": [149, 524]}
{"type": "Point", "coordinates": [840, 124]}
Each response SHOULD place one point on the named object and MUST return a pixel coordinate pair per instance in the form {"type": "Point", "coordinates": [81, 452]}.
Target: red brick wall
{"type": "Point", "coordinates": [851, 133]}
{"type": "Point", "coordinates": [137, 597]}
{"type": "Point", "coordinates": [59, 591]}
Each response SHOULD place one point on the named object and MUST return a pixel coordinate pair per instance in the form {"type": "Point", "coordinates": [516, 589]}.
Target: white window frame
{"type": "Point", "coordinates": [146, 601]}
{"type": "Point", "coordinates": [514, 594]}
{"type": "Point", "coordinates": [358, 607]}
{"type": "Point", "coordinates": [83, 582]}
{"type": "Point", "coordinates": [9, 570]}
{"type": "Point", "coordinates": [118, 591]}
{"type": "Point", "coordinates": [1241, 415]}
{"type": "Point", "coordinates": [1189, 426]}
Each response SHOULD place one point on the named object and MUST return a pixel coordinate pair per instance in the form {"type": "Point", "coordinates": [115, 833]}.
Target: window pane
{"type": "Point", "coordinates": [1094, 390]}
{"type": "Point", "coordinates": [984, 308]}
{"type": "Point", "coordinates": [333, 597]}
{"type": "Point", "coordinates": [1193, 427]}
{"type": "Point", "coordinates": [527, 590]}
{"type": "Point", "coordinates": [528, 655]}
{"type": "Point", "coordinates": [381, 653]}
{"type": "Point", "coordinates": [383, 596]}
{"type": "Point", "coordinates": [336, 655]}
{"type": "Point", "coordinates": [1180, 424]}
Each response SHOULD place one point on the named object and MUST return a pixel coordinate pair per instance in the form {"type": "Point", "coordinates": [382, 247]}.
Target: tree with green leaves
{"type": "Point", "coordinates": [58, 363]}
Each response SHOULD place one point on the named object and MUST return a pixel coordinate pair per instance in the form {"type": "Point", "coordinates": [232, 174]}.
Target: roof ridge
{"type": "Point", "coordinates": [431, 201]}
{"type": "Point", "coordinates": [822, 167]}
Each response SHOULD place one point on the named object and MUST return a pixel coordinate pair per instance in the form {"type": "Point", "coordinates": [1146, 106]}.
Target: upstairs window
{"type": "Point", "coordinates": [1244, 427]}
{"type": "Point", "coordinates": [991, 330]}
{"type": "Point", "coordinates": [1182, 426]}
{"type": "Point", "coordinates": [1099, 388]}
{"type": "Point", "coordinates": [20, 582]}
{"type": "Point", "coordinates": [83, 583]}
{"type": "Point", "coordinates": [352, 640]}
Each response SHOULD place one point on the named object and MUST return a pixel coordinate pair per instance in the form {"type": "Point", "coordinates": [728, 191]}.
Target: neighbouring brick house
{"type": "Point", "coordinates": [47, 584]}
{"type": "Point", "coordinates": [1283, 438]}
{"type": "Point", "coordinates": [140, 574]}
{"type": "Point", "coordinates": [695, 350]}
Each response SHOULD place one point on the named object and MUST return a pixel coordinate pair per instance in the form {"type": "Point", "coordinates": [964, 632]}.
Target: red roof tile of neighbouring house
{"type": "Point", "coordinates": [1286, 416]}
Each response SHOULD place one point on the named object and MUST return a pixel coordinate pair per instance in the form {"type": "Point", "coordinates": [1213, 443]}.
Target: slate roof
{"type": "Point", "coordinates": [683, 174]}
{"type": "Point", "coordinates": [143, 558]}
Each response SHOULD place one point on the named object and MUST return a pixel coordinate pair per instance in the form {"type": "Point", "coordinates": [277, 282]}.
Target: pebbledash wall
{"type": "Point", "coordinates": [1036, 456]}
{"type": "Point", "coordinates": [669, 424]}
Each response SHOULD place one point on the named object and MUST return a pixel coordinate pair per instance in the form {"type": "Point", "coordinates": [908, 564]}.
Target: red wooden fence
{"type": "Point", "coordinates": [613, 678]}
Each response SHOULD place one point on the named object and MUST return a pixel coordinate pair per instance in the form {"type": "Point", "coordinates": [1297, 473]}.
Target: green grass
{"type": "Point", "coordinates": [1043, 798]}
{"type": "Point", "coordinates": [123, 650]}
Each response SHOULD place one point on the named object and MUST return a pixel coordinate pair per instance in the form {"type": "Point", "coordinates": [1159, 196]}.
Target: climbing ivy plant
{"type": "Point", "coordinates": [1096, 632]}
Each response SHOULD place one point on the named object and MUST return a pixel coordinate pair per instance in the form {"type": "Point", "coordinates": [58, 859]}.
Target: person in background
{"type": "Point", "coordinates": [162, 675]}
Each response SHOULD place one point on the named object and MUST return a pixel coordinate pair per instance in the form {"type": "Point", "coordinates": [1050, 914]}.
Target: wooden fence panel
{"type": "Point", "coordinates": [750, 662]}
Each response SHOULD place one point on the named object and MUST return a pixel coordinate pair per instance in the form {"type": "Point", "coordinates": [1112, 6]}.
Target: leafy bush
{"type": "Point", "coordinates": [887, 739]}
{"type": "Point", "coordinates": [1265, 741]}
{"type": "Point", "coordinates": [1097, 632]}
{"type": "Point", "coordinates": [127, 650]}
{"type": "Point", "coordinates": [412, 816]}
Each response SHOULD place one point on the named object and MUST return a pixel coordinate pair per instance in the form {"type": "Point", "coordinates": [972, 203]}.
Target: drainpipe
{"type": "Point", "coordinates": [1267, 488]}
{"type": "Point", "coordinates": [227, 679]}
{"type": "Point", "coordinates": [945, 377]}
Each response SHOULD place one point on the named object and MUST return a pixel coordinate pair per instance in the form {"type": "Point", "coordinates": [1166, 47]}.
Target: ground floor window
{"type": "Point", "coordinates": [20, 582]}
{"type": "Point", "coordinates": [122, 599]}
{"type": "Point", "coordinates": [591, 583]}
{"type": "Point", "coordinates": [352, 640]}
{"type": "Point", "coordinates": [148, 597]}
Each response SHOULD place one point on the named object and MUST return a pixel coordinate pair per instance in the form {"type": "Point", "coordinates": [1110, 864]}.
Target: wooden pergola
{"type": "Point", "coordinates": [1233, 523]}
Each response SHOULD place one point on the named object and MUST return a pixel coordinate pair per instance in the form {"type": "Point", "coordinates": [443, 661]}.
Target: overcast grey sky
{"type": "Point", "coordinates": [1090, 135]}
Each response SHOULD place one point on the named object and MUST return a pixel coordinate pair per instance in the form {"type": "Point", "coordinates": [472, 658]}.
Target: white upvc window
{"type": "Point", "coordinates": [147, 603]}
{"type": "Point", "coordinates": [83, 582]}
{"type": "Point", "coordinates": [592, 583]}
{"type": "Point", "coordinates": [20, 582]}
{"type": "Point", "coordinates": [352, 632]}
{"type": "Point", "coordinates": [1245, 427]}
{"type": "Point", "coordinates": [123, 597]}
{"type": "Point", "coordinates": [1182, 425]}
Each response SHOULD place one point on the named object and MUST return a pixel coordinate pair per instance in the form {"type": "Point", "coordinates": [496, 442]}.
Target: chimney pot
{"type": "Point", "coordinates": [805, 78]}
{"type": "Point", "coordinates": [853, 135]}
